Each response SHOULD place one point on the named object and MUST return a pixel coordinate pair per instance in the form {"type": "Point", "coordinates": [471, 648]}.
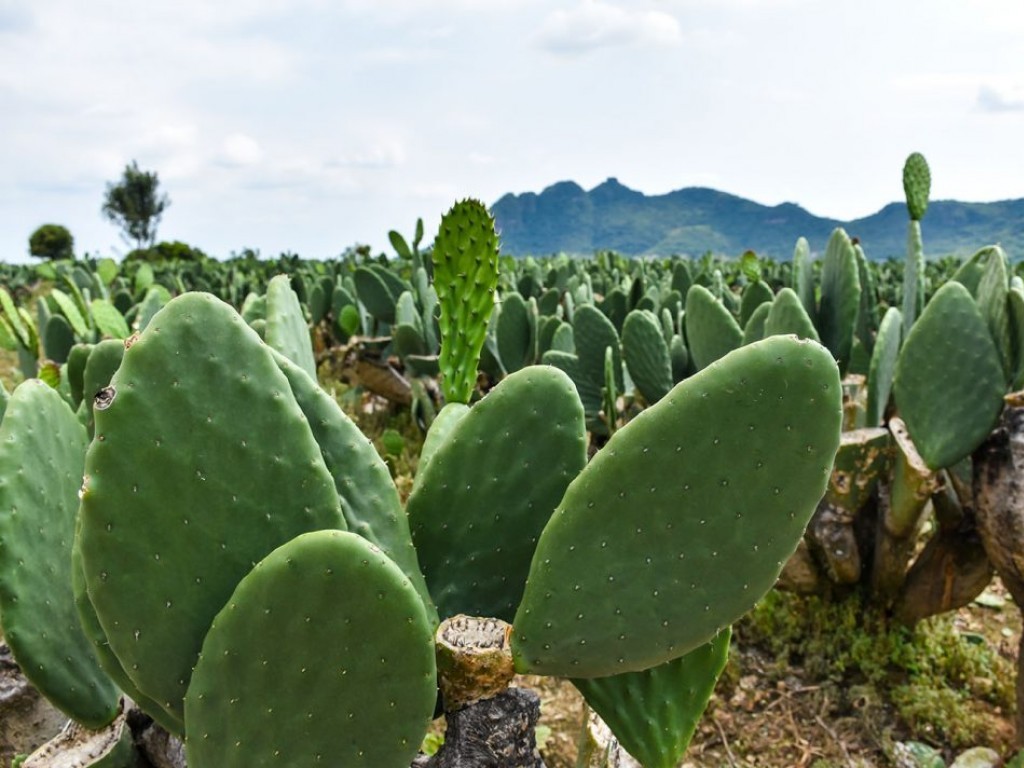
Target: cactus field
{"type": "Point", "coordinates": [700, 511]}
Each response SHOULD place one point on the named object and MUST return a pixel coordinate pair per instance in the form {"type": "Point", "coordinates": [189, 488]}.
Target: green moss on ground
{"type": "Point", "coordinates": [945, 687]}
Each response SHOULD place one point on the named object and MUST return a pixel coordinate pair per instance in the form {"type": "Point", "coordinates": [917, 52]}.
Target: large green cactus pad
{"type": "Point", "coordinates": [949, 382]}
{"type": "Point", "coordinates": [42, 453]}
{"type": "Point", "coordinates": [323, 655]}
{"type": "Point", "coordinates": [488, 491]}
{"type": "Point", "coordinates": [202, 464]}
{"type": "Point", "coordinates": [465, 276]}
{"type": "Point", "coordinates": [685, 518]}
{"type": "Point", "coordinates": [654, 713]}
{"type": "Point", "coordinates": [367, 494]}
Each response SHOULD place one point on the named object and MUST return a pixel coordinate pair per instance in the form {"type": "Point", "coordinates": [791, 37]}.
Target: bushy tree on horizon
{"type": "Point", "coordinates": [51, 241]}
{"type": "Point", "coordinates": [135, 205]}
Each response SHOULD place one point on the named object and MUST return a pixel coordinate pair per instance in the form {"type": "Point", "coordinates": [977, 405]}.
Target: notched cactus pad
{"type": "Point", "coordinates": [685, 518]}
{"type": "Point", "coordinates": [202, 464]}
{"type": "Point", "coordinates": [324, 655]}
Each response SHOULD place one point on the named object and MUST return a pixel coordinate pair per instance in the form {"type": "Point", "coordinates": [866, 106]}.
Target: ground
{"type": "Point", "coordinates": [773, 709]}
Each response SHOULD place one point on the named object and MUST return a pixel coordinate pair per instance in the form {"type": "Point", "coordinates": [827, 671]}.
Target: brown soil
{"type": "Point", "coordinates": [764, 717]}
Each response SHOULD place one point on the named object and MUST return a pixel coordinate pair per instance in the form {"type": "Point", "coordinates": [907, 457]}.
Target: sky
{"type": "Point", "coordinates": [313, 125]}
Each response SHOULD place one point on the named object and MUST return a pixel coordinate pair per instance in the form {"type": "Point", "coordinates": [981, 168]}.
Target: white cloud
{"type": "Point", "coordinates": [995, 100]}
{"type": "Point", "coordinates": [380, 154]}
{"type": "Point", "coordinates": [239, 149]}
{"type": "Point", "coordinates": [594, 24]}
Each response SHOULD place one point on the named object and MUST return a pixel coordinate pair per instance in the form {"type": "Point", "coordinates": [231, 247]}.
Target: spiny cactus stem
{"type": "Point", "coordinates": [474, 659]}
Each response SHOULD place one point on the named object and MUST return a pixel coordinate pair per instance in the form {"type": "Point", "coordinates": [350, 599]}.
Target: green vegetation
{"type": "Point", "coordinates": [134, 204]}
{"type": "Point", "coordinates": [946, 687]}
{"type": "Point", "coordinates": [52, 241]}
{"type": "Point", "coordinates": [620, 457]}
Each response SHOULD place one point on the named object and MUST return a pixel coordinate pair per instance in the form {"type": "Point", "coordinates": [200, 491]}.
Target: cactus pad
{"type": "Point", "coordinates": [917, 185]}
{"type": "Point", "coordinates": [685, 518]}
{"type": "Point", "coordinates": [489, 489]}
{"type": "Point", "coordinates": [647, 355]}
{"type": "Point", "coordinates": [711, 330]}
{"type": "Point", "coordinates": [840, 297]}
{"type": "Point", "coordinates": [367, 494]}
{"type": "Point", "coordinates": [787, 315]}
{"type": "Point", "coordinates": [949, 382]}
{"type": "Point", "coordinates": [465, 277]}
{"type": "Point", "coordinates": [883, 365]}
{"type": "Point", "coordinates": [287, 331]}
{"type": "Point", "coordinates": [202, 464]}
{"type": "Point", "coordinates": [42, 452]}
{"type": "Point", "coordinates": [654, 713]}
{"type": "Point", "coordinates": [322, 656]}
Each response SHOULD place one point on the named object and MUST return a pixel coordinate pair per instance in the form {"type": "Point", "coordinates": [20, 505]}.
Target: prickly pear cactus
{"type": "Point", "coordinates": [465, 277]}
{"type": "Point", "coordinates": [711, 330]}
{"type": "Point", "coordinates": [647, 355]}
{"type": "Point", "coordinates": [108, 662]}
{"type": "Point", "coordinates": [721, 476]}
{"type": "Point", "coordinates": [323, 655]}
{"type": "Point", "coordinates": [368, 497]}
{"type": "Point", "coordinates": [488, 490]}
{"type": "Point", "coordinates": [287, 331]}
{"type": "Point", "coordinates": [917, 184]}
{"type": "Point", "coordinates": [883, 366]}
{"type": "Point", "coordinates": [78, 358]}
{"type": "Point", "coordinates": [654, 713]}
{"type": "Point", "coordinates": [949, 382]}
{"type": "Point", "coordinates": [103, 362]}
{"type": "Point", "coordinates": [840, 297]}
{"type": "Point", "coordinates": [787, 315]}
{"type": "Point", "coordinates": [202, 464]}
{"type": "Point", "coordinates": [42, 451]}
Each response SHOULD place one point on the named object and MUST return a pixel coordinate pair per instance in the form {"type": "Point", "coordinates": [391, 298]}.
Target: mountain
{"type": "Point", "coordinates": [565, 217]}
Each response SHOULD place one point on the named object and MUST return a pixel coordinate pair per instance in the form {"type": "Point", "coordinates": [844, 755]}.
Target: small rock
{"type": "Point", "coordinates": [990, 600]}
{"type": "Point", "coordinates": [914, 754]}
{"type": "Point", "coordinates": [979, 757]}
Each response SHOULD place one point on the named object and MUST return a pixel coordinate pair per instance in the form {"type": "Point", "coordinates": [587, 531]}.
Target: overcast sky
{"type": "Point", "coordinates": [311, 125]}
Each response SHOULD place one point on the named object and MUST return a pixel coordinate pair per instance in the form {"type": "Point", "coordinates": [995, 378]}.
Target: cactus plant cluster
{"type": "Point", "coordinates": [710, 393]}
{"type": "Point", "coordinates": [238, 561]}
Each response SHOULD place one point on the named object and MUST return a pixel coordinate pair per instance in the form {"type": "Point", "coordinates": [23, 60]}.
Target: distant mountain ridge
{"type": "Point", "coordinates": [565, 217]}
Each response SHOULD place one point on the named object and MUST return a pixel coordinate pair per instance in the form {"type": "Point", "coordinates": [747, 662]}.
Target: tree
{"type": "Point", "coordinates": [134, 205]}
{"type": "Point", "coordinates": [51, 241]}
